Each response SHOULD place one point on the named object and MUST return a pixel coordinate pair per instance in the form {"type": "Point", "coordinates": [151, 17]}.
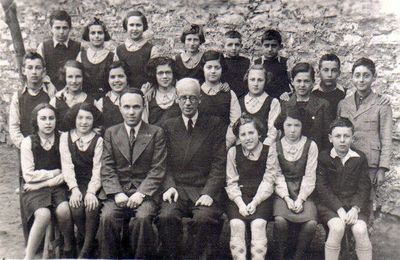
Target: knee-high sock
{"type": "Point", "coordinates": [363, 244]}
{"type": "Point", "coordinates": [258, 239]}
{"type": "Point", "coordinates": [91, 226]}
{"type": "Point", "coordinates": [335, 235]}
{"type": "Point", "coordinates": [237, 242]}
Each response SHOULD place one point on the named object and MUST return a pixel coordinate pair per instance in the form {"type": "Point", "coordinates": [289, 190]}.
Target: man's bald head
{"type": "Point", "coordinates": [188, 87]}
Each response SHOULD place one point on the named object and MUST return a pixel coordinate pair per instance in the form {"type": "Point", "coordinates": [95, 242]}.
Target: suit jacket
{"type": "Point", "coordinates": [343, 186]}
{"type": "Point", "coordinates": [318, 108]}
{"type": "Point", "coordinates": [198, 160]}
{"type": "Point", "coordinates": [372, 128]}
{"type": "Point", "coordinates": [144, 172]}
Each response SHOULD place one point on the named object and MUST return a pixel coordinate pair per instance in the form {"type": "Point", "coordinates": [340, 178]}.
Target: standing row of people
{"type": "Point", "coordinates": [273, 147]}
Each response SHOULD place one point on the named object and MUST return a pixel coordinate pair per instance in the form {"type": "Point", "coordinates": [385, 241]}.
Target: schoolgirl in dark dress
{"type": "Point", "coordinates": [294, 208]}
{"type": "Point", "coordinates": [73, 74]}
{"type": "Point", "coordinates": [96, 59]}
{"type": "Point", "coordinates": [44, 191]}
{"type": "Point", "coordinates": [189, 63]}
{"type": "Point", "coordinates": [81, 150]}
{"type": "Point", "coordinates": [215, 101]}
{"type": "Point", "coordinates": [160, 94]}
{"type": "Point", "coordinates": [136, 50]}
{"type": "Point", "coordinates": [250, 175]}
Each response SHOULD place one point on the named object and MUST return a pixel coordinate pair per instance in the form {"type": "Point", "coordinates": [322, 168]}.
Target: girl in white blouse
{"type": "Point", "coordinates": [81, 149]}
{"type": "Point", "coordinates": [44, 191]}
{"type": "Point", "coordinates": [294, 208]}
{"type": "Point", "coordinates": [250, 175]}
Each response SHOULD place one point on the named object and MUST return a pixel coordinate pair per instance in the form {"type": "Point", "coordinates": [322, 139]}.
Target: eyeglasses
{"type": "Point", "coordinates": [192, 99]}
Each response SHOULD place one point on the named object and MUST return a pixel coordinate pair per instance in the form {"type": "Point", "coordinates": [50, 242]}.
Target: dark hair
{"type": "Point", "coordinates": [341, 122]}
{"type": "Point", "coordinates": [153, 63]}
{"type": "Point", "coordinates": [270, 35]}
{"type": "Point", "coordinates": [232, 34]}
{"type": "Point", "coordinates": [72, 113]}
{"type": "Point", "coordinates": [211, 55]}
{"type": "Point", "coordinates": [194, 29]}
{"type": "Point", "coordinates": [329, 57]}
{"type": "Point", "coordinates": [34, 124]}
{"type": "Point", "coordinates": [364, 62]}
{"type": "Point", "coordinates": [302, 67]}
{"type": "Point", "coordinates": [118, 64]}
{"type": "Point", "coordinates": [60, 15]}
{"type": "Point", "coordinates": [71, 64]}
{"type": "Point", "coordinates": [95, 21]}
{"type": "Point", "coordinates": [296, 113]}
{"type": "Point", "coordinates": [31, 55]}
{"type": "Point", "coordinates": [131, 91]}
{"type": "Point", "coordinates": [246, 119]}
{"type": "Point", "coordinates": [135, 13]}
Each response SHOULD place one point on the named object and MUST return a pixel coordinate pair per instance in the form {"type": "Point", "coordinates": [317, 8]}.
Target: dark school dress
{"type": "Point", "coordinates": [48, 196]}
{"type": "Point", "coordinates": [158, 115]}
{"type": "Point", "coordinates": [294, 172]}
{"type": "Point", "coordinates": [250, 176]}
{"type": "Point", "coordinates": [83, 162]}
{"type": "Point", "coordinates": [341, 185]}
{"type": "Point", "coordinates": [262, 114]}
{"type": "Point", "coordinates": [136, 61]}
{"type": "Point", "coordinates": [62, 108]}
{"type": "Point", "coordinates": [111, 113]}
{"type": "Point", "coordinates": [183, 72]}
{"type": "Point", "coordinates": [218, 105]}
{"type": "Point", "coordinates": [97, 83]}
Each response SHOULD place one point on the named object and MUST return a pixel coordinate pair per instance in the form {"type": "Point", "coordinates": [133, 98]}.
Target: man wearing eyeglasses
{"type": "Point", "coordinates": [195, 177]}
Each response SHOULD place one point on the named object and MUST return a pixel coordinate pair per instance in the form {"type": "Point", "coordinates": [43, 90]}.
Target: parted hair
{"type": "Point", "coordinates": [135, 13]}
{"type": "Point", "coordinates": [211, 55]}
{"type": "Point", "coordinates": [131, 91]}
{"type": "Point", "coordinates": [95, 21]}
{"type": "Point", "coordinates": [302, 67]}
{"type": "Point", "coordinates": [296, 113]}
{"type": "Point", "coordinates": [194, 29]}
{"type": "Point", "coordinates": [364, 62]}
{"type": "Point", "coordinates": [329, 57]}
{"type": "Point", "coordinates": [70, 116]}
{"type": "Point", "coordinates": [153, 63]}
{"type": "Point", "coordinates": [341, 122]}
{"type": "Point", "coordinates": [32, 55]}
{"type": "Point", "coordinates": [119, 64]}
{"type": "Point", "coordinates": [35, 128]}
{"type": "Point", "coordinates": [248, 119]}
{"type": "Point", "coordinates": [71, 64]}
{"type": "Point", "coordinates": [60, 15]}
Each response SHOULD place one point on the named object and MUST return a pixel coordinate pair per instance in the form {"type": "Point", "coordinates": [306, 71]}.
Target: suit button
{"type": "Point", "coordinates": [126, 188]}
{"type": "Point", "coordinates": [129, 166]}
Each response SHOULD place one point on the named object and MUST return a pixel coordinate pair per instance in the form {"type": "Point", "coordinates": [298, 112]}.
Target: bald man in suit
{"type": "Point", "coordinates": [133, 169]}
{"type": "Point", "coordinates": [195, 176]}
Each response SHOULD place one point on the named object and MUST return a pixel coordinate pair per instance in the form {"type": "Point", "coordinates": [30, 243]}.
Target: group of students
{"type": "Point", "coordinates": [293, 152]}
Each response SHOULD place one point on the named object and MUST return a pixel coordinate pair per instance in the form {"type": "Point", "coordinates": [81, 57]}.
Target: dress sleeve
{"type": "Point", "coordinates": [280, 182]}
{"type": "Point", "coordinates": [272, 115]}
{"type": "Point", "coordinates": [232, 176]}
{"type": "Point", "coordinates": [95, 182]}
{"type": "Point", "coordinates": [309, 178]}
{"type": "Point", "coordinates": [234, 115]}
{"type": "Point", "coordinates": [67, 166]}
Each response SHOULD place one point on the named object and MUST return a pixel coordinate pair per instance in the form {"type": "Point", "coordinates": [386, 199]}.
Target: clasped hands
{"type": "Point", "coordinates": [295, 206]}
{"type": "Point", "coordinates": [247, 210]}
{"type": "Point", "coordinates": [350, 217]}
{"type": "Point", "coordinates": [90, 201]}
{"type": "Point", "coordinates": [123, 201]}
{"type": "Point", "coordinates": [171, 195]}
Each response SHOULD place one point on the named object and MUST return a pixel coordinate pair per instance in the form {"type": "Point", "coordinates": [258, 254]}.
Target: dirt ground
{"type": "Point", "coordinates": [11, 237]}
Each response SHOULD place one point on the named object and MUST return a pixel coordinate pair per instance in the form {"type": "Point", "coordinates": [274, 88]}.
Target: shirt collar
{"type": "Point", "coordinates": [359, 97]}
{"type": "Point", "coordinates": [263, 59]}
{"type": "Point", "coordinates": [83, 139]}
{"type": "Point", "coordinates": [194, 119]}
{"type": "Point", "coordinates": [253, 154]}
{"type": "Point", "coordinates": [318, 87]}
{"type": "Point", "coordinates": [134, 45]}
{"type": "Point", "coordinates": [47, 142]}
{"type": "Point", "coordinates": [42, 87]}
{"type": "Point", "coordinates": [136, 128]}
{"type": "Point", "coordinates": [350, 154]}
{"type": "Point", "coordinates": [57, 42]}
{"type": "Point", "coordinates": [113, 97]}
{"type": "Point", "coordinates": [186, 57]}
{"type": "Point", "coordinates": [210, 90]}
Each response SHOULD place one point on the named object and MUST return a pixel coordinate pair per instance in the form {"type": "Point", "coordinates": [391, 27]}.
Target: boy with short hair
{"type": "Point", "coordinates": [26, 99]}
{"type": "Point", "coordinates": [60, 48]}
{"type": "Point", "coordinates": [275, 65]}
{"type": "Point", "coordinates": [234, 66]}
{"type": "Point", "coordinates": [329, 72]}
{"type": "Point", "coordinates": [343, 188]}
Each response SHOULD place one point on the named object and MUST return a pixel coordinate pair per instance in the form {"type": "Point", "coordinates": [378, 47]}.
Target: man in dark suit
{"type": "Point", "coordinates": [133, 169]}
{"type": "Point", "coordinates": [195, 176]}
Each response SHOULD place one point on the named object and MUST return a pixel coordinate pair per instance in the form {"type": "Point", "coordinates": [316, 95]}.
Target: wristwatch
{"type": "Point", "coordinates": [357, 208]}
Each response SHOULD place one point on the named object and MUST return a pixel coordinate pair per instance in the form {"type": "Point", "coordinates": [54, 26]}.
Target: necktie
{"type": "Point", "coordinates": [190, 126]}
{"type": "Point", "coordinates": [132, 137]}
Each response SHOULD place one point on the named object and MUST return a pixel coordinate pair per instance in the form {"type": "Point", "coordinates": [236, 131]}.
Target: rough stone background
{"type": "Point", "coordinates": [310, 28]}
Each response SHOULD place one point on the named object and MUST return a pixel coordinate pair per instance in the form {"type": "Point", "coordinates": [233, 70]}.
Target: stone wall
{"type": "Point", "coordinates": [310, 28]}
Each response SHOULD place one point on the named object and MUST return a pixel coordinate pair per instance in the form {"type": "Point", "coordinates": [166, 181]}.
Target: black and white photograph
{"type": "Point", "coordinates": [200, 129]}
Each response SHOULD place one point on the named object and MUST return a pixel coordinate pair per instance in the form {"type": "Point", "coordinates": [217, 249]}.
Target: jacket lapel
{"type": "Point", "coordinates": [368, 103]}
{"type": "Point", "coordinates": [143, 138]}
{"type": "Point", "coordinates": [122, 141]}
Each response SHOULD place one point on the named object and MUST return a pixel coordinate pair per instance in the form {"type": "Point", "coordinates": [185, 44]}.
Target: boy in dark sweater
{"type": "Point", "coordinates": [329, 72]}
{"type": "Point", "coordinates": [275, 65]}
{"type": "Point", "coordinates": [234, 66]}
{"type": "Point", "coordinates": [60, 48]}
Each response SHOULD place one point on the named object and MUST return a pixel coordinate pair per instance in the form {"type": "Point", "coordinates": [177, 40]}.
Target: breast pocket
{"type": "Point", "coordinates": [370, 124]}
